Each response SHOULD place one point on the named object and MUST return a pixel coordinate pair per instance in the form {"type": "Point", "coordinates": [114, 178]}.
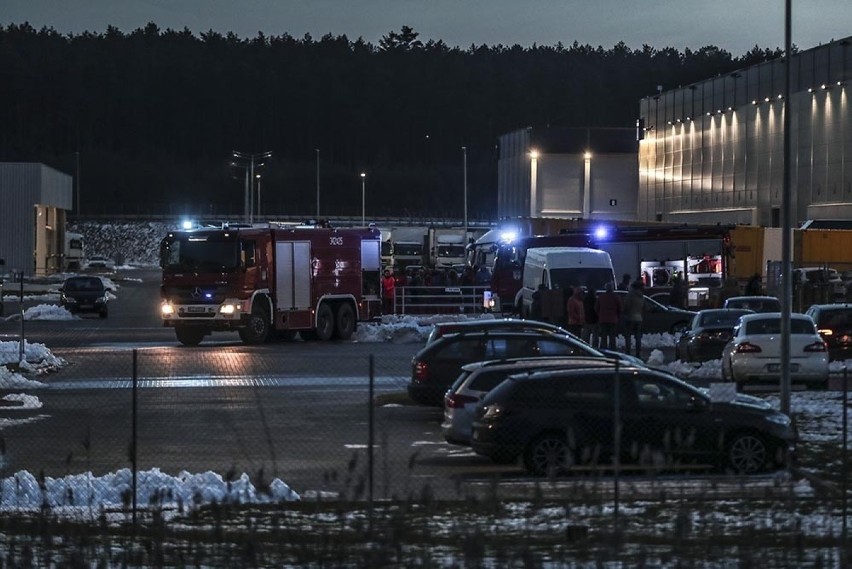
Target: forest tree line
{"type": "Point", "coordinates": [153, 115]}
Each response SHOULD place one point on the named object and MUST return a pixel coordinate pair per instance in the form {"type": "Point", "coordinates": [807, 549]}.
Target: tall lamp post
{"type": "Point", "coordinates": [257, 176]}
{"type": "Point", "coordinates": [464, 169]}
{"type": "Point", "coordinates": [533, 182]}
{"type": "Point", "coordinates": [252, 161]}
{"type": "Point", "coordinates": [318, 185]}
{"type": "Point", "coordinates": [363, 200]}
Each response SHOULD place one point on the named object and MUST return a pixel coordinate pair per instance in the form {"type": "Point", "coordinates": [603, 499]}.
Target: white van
{"type": "Point", "coordinates": [559, 268]}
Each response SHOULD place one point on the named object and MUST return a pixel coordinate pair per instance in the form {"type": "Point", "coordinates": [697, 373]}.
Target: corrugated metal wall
{"type": "Point", "coordinates": [23, 186]}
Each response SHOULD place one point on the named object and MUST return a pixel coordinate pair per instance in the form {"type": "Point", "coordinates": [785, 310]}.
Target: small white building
{"type": "Point", "coordinates": [33, 202]}
{"type": "Point", "coordinates": [562, 172]}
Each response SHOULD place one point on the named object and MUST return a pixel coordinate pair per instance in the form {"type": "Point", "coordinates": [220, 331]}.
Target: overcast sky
{"type": "Point", "coordinates": [734, 25]}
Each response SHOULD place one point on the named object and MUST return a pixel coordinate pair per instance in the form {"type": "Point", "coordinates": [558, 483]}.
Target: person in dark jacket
{"type": "Point", "coordinates": [590, 330]}
{"type": "Point", "coordinates": [608, 307]}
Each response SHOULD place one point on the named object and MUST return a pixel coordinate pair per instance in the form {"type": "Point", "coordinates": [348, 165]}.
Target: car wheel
{"type": "Point", "coordinates": [257, 329]}
{"type": "Point", "coordinates": [679, 327]}
{"type": "Point", "coordinates": [189, 335]}
{"type": "Point", "coordinates": [345, 322]}
{"type": "Point", "coordinates": [547, 455]}
{"type": "Point", "coordinates": [747, 453]}
{"type": "Point", "coordinates": [325, 322]}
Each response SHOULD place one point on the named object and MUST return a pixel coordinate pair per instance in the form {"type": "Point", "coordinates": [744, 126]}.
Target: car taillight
{"type": "Point", "coordinates": [456, 401]}
{"type": "Point", "coordinates": [815, 347]}
{"type": "Point", "coordinates": [747, 348]}
{"type": "Point", "coordinates": [421, 372]}
{"type": "Point", "coordinates": [826, 332]}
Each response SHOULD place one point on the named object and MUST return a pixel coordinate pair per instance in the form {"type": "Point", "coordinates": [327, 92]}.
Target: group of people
{"type": "Point", "coordinates": [597, 318]}
{"type": "Point", "coordinates": [471, 276]}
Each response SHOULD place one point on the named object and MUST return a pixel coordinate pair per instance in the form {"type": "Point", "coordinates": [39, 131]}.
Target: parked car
{"type": "Point", "coordinates": [477, 379]}
{"type": "Point", "coordinates": [437, 365]}
{"type": "Point", "coordinates": [84, 294]}
{"type": "Point", "coordinates": [563, 419]}
{"type": "Point", "coordinates": [834, 324]}
{"type": "Point", "coordinates": [98, 262]}
{"type": "Point", "coordinates": [707, 334]}
{"type": "Point", "coordinates": [508, 324]}
{"type": "Point", "coordinates": [754, 303]}
{"type": "Point", "coordinates": [752, 358]}
{"type": "Point", "coordinates": [657, 318]}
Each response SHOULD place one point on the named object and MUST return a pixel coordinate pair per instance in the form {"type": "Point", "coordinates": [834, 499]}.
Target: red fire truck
{"type": "Point", "coordinates": [319, 281]}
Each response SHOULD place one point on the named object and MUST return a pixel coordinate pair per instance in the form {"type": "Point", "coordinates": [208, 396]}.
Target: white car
{"type": "Point", "coordinates": [752, 358]}
{"type": "Point", "coordinates": [96, 262]}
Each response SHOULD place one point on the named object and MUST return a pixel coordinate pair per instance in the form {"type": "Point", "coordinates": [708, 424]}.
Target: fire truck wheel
{"type": "Point", "coordinates": [257, 329]}
{"type": "Point", "coordinates": [325, 322]}
{"type": "Point", "coordinates": [189, 336]}
{"type": "Point", "coordinates": [345, 322]}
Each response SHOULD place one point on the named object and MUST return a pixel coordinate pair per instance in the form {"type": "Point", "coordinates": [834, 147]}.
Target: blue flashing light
{"type": "Point", "coordinates": [187, 224]}
{"type": "Point", "coordinates": [508, 236]}
{"type": "Point", "coordinates": [601, 232]}
{"type": "Point", "coordinates": [208, 295]}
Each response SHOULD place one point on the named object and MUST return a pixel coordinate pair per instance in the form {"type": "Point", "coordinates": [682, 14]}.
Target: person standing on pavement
{"type": "Point", "coordinates": [608, 308]}
{"type": "Point", "coordinates": [576, 312]}
{"type": "Point", "coordinates": [625, 282]}
{"type": "Point", "coordinates": [634, 306]}
{"type": "Point", "coordinates": [590, 330]}
{"type": "Point", "coordinates": [388, 286]}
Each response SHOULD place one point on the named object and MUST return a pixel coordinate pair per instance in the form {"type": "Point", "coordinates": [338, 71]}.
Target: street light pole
{"type": "Point", "coordinates": [318, 184]}
{"type": "Point", "coordinates": [464, 167]}
{"type": "Point", "coordinates": [248, 202]}
{"type": "Point", "coordinates": [363, 200]}
{"type": "Point", "coordinates": [258, 194]}
{"type": "Point", "coordinates": [77, 179]}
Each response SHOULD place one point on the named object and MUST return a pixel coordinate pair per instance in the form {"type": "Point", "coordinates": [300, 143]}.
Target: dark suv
{"type": "Point", "coordinates": [557, 420]}
{"type": "Point", "coordinates": [834, 324]}
{"type": "Point", "coordinates": [84, 294]}
{"type": "Point", "coordinates": [435, 367]}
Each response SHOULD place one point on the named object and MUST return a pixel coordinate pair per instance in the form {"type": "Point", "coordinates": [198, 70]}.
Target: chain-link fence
{"type": "Point", "coordinates": [309, 431]}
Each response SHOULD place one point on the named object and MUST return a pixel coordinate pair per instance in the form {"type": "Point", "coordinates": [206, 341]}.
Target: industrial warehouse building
{"type": "Point", "coordinates": [710, 152]}
{"type": "Point", "coordinates": [33, 201]}
{"type": "Point", "coordinates": [713, 151]}
{"type": "Point", "coordinates": [588, 173]}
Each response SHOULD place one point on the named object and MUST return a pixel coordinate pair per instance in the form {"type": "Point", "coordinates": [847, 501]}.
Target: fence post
{"type": "Point", "coordinates": [844, 460]}
{"type": "Point", "coordinates": [370, 443]}
{"type": "Point", "coordinates": [133, 432]}
{"type": "Point", "coordinates": [616, 452]}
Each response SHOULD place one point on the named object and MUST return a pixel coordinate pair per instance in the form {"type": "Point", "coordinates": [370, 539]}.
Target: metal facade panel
{"type": "Point", "coordinates": [18, 196]}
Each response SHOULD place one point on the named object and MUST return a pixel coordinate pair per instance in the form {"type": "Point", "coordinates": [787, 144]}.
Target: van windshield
{"type": "Point", "coordinates": [590, 278]}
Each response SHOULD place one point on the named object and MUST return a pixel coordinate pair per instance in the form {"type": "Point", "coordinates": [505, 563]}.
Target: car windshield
{"type": "Point", "coordinates": [773, 326]}
{"type": "Point", "coordinates": [721, 318]}
{"type": "Point", "coordinates": [840, 319]}
{"type": "Point", "coordinates": [84, 285]}
{"type": "Point", "coordinates": [591, 278]}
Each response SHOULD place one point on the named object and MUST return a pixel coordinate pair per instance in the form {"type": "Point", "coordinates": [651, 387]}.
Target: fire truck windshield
{"type": "Point", "coordinates": [206, 254]}
{"type": "Point", "coordinates": [450, 250]}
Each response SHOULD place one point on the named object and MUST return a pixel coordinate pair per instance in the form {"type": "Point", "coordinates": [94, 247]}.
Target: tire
{"type": "Point", "coordinates": [325, 322]}
{"type": "Point", "coordinates": [257, 329]}
{"type": "Point", "coordinates": [547, 455]}
{"type": "Point", "coordinates": [189, 335]}
{"type": "Point", "coordinates": [747, 453]}
{"type": "Point", "coordinates": [344, 324]}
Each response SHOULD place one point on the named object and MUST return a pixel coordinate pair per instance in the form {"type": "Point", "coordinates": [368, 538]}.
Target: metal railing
{"type": "Point", "coordinates": [439, 299]}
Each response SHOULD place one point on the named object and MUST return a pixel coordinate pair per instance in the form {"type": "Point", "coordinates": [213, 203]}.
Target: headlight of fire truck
{"type": "Point", "coordinates": [230, 306]}
{"type": "Point", "coordinates": [167, 309]}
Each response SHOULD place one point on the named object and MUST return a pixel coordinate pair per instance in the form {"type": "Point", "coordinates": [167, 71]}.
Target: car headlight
{"type": "Point", "coordinates": [167, 309]}
{"type": "Point", "coordinates": [227, 309]}
{"type": "Point", "coordinates": [779, 419]}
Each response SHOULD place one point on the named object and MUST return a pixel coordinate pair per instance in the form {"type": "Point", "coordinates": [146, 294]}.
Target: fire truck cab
{"type": "Point", "coordinates": [259, 281]}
